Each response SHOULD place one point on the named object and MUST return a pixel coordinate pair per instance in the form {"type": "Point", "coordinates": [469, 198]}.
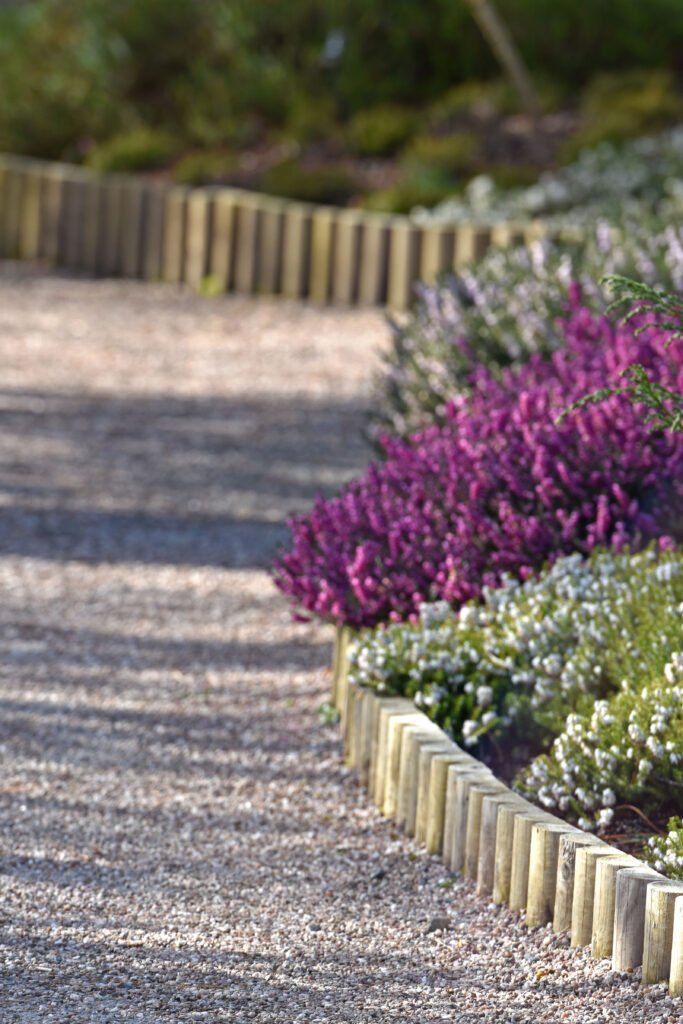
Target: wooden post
{"type": "Point", "coordinates": [412, 739]}
{"type": "Point", "coordinates": [29, 228]}
{"type": "Point", "coordinates": [629, 916]}
{"type": "Point", "coordinates": [436, 805]}
{"type": "Point", "coordinates": [471, 243]}
{"type": "Point", "coordinates": [534, 231]}
{"type": "Point", "coordinates": [660, 904]}
{"type": "Point", "coordinates": [436, 252]}
{"type": "Point", "coordinates": [335, 664]}
{"type": "Point", "coordinates": [403, 263]}
{"type": "Point", "coordinates": [471, 775]}
{"type": "Point", "coordinates": [11, 212]}
{"type": "Point", "coordinates": [676, 974]}
{"type": "Point", "coordinates": [374, 261]}
{"type": "Point", "coordinates": [132, 212]}
{"type": "Point", "coordinates": [397, 726]}
{"type": "Point", "coordinates": [4, 180]}
{"type": "Point", "coordinates": [584, 891]}
{"type": "Point", "coordinates": [247, 228]}
{"type": "Point", "coordinates": [73, 220]}
{"type": "Point", "coordinates": [153, 234]}
{"type": "Point", "coordinates": [342, 680]}
{"type": "Point", "coordinates": [109, 246]}
{"type": "Point", "coordinates": [502, 867]}
{"type": "Point", "coordinates": [543, 859]}
{"type": "Point", "coordinates": [368, 720]}
{"type": "Point", "coordinates": [449, 813]}
{"type": "Point", "coordinates": [347, 243]}
{"type": "Point", "coordinates": [174, 235]}
{"type": "Point", "coordinates": [269, 257]}
{"type": "Point", "coordinates": [564, 885]}
{"type": "Point", "coordinates": [296, 250]}
{"type": "Point", "coordinates": [322, 254]}
{"type": "Point", "coordinates": [477, 792]}
{"type": "Point", "coordinates": [521, 851]}
{"type": "Point", "coordinates": [355, 728]}
{"type": "Point", "coordinates": [606, 872]}
{"type": "Point", "coordinates": [52, 196]}
{"type": "Point", "coordinates": [92, 227]}
{"type": "Point", "coordinates": [347, 728]}
{"type": "Point", "coordinates": [508, 235]}
{"type": "Point", "coordinates": [222, 253]}
{"type": "Point", "coordinates": [490, 808]}
{"type": "Point", "coordinates": [424, 773]}
{"type": "Point", "coordinates": [198, 236]}
{"type": "Point", "coordinates": [388, 706]}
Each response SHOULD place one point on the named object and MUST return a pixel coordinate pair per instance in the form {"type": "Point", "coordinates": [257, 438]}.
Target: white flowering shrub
{"type": "Point", "coordinates": [628, 751]}
{"type": "Point", "coordinates": [635, 175]}
{"type": "Point", "coordinates": [665, 853]}
{"type": "Point", "coordinates": [581, 662]}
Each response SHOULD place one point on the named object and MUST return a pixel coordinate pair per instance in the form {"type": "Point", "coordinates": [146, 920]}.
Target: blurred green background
{"type": "Point", "coordinates": [382, 103]}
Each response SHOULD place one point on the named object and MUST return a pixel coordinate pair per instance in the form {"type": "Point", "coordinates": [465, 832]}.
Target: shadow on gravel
{"type": "Point", "coordinates": [165, 479]}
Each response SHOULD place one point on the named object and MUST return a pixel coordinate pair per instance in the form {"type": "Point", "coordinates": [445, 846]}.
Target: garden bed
{"type": "Point", "coordinates": [515, 853]}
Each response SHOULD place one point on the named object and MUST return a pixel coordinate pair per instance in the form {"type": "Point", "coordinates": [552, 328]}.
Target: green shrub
{"type": "Point", "coordinates": [651, 96]}
{"type": "Point", "coordinates": [618, 107]}
{"type": "Point", "coordinates": [452, 154]}
{"type": "Point", "coordinates": [54, 82]}
{"type": "Point", "coordinates": [311, 119]}
{"type": "Point", "coordinates": [419, 187]}
{"type": "Point", "coordinates": [327, 184]}
{"type": "Point", "coordinates": [381, 131]}
{"type": "Point", "coordinates": [143, 149]}
{"type": "Point", "coordinates": [483, 99]}
{"type": "Point", "coordinates": [204, 168]}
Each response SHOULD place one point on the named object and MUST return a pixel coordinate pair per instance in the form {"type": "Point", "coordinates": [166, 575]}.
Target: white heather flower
{"type": "Point", "coordinates": [605, 817]}
{"type": "Point", "coordinates": [484, 696]}
{"type": "Point", "coordinates": [609, 797]}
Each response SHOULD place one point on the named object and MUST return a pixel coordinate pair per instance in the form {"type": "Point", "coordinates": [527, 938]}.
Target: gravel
{"type": "Point", "coordinates": [179, 841]}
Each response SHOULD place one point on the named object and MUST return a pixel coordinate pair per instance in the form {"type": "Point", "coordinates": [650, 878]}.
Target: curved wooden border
{"type": "Point", "coordinates": [514, 851]}
{"type": "Point", "coordinates": [218, 239]}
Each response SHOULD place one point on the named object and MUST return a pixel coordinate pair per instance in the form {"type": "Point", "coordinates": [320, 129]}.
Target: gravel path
{"type": "Point", "coordinates": [178, 840]}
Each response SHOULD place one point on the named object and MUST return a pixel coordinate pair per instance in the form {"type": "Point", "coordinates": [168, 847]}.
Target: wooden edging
{"type": "Point", "coordinates": [515, 852]}
{"type": "Point", "coordinates": [219, 239]}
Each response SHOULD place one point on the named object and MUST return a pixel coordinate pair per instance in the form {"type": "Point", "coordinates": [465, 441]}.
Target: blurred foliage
{"type": "Point", "coordinates": [617, 107]}
{"type": "Point", "coordinates": [327, 184]}
{"type": "Point", "coordinates": [224, 72]}
{"type": "Point", "coordinates": [380, 131]}
{"type": "Point", "coordinates": [141, 149]}
{"type": "Point", "coordinates": [204, 168]}
{"type": "Point", "coordinates": [416, 186]}
{"type": "Point", "coordinates": [484, 99]}
{"type": "Point", "coordinates": [455, 154]}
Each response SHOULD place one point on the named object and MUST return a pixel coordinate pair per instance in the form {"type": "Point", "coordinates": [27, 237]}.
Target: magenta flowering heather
{"type": "Point", "coordinates": [501, 488]}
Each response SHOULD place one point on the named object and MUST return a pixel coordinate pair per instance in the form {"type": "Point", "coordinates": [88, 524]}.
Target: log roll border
{"type": "Point", "coordinates": [219, 239]}
{"type": "Point", "coordinates": [516, 853]}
